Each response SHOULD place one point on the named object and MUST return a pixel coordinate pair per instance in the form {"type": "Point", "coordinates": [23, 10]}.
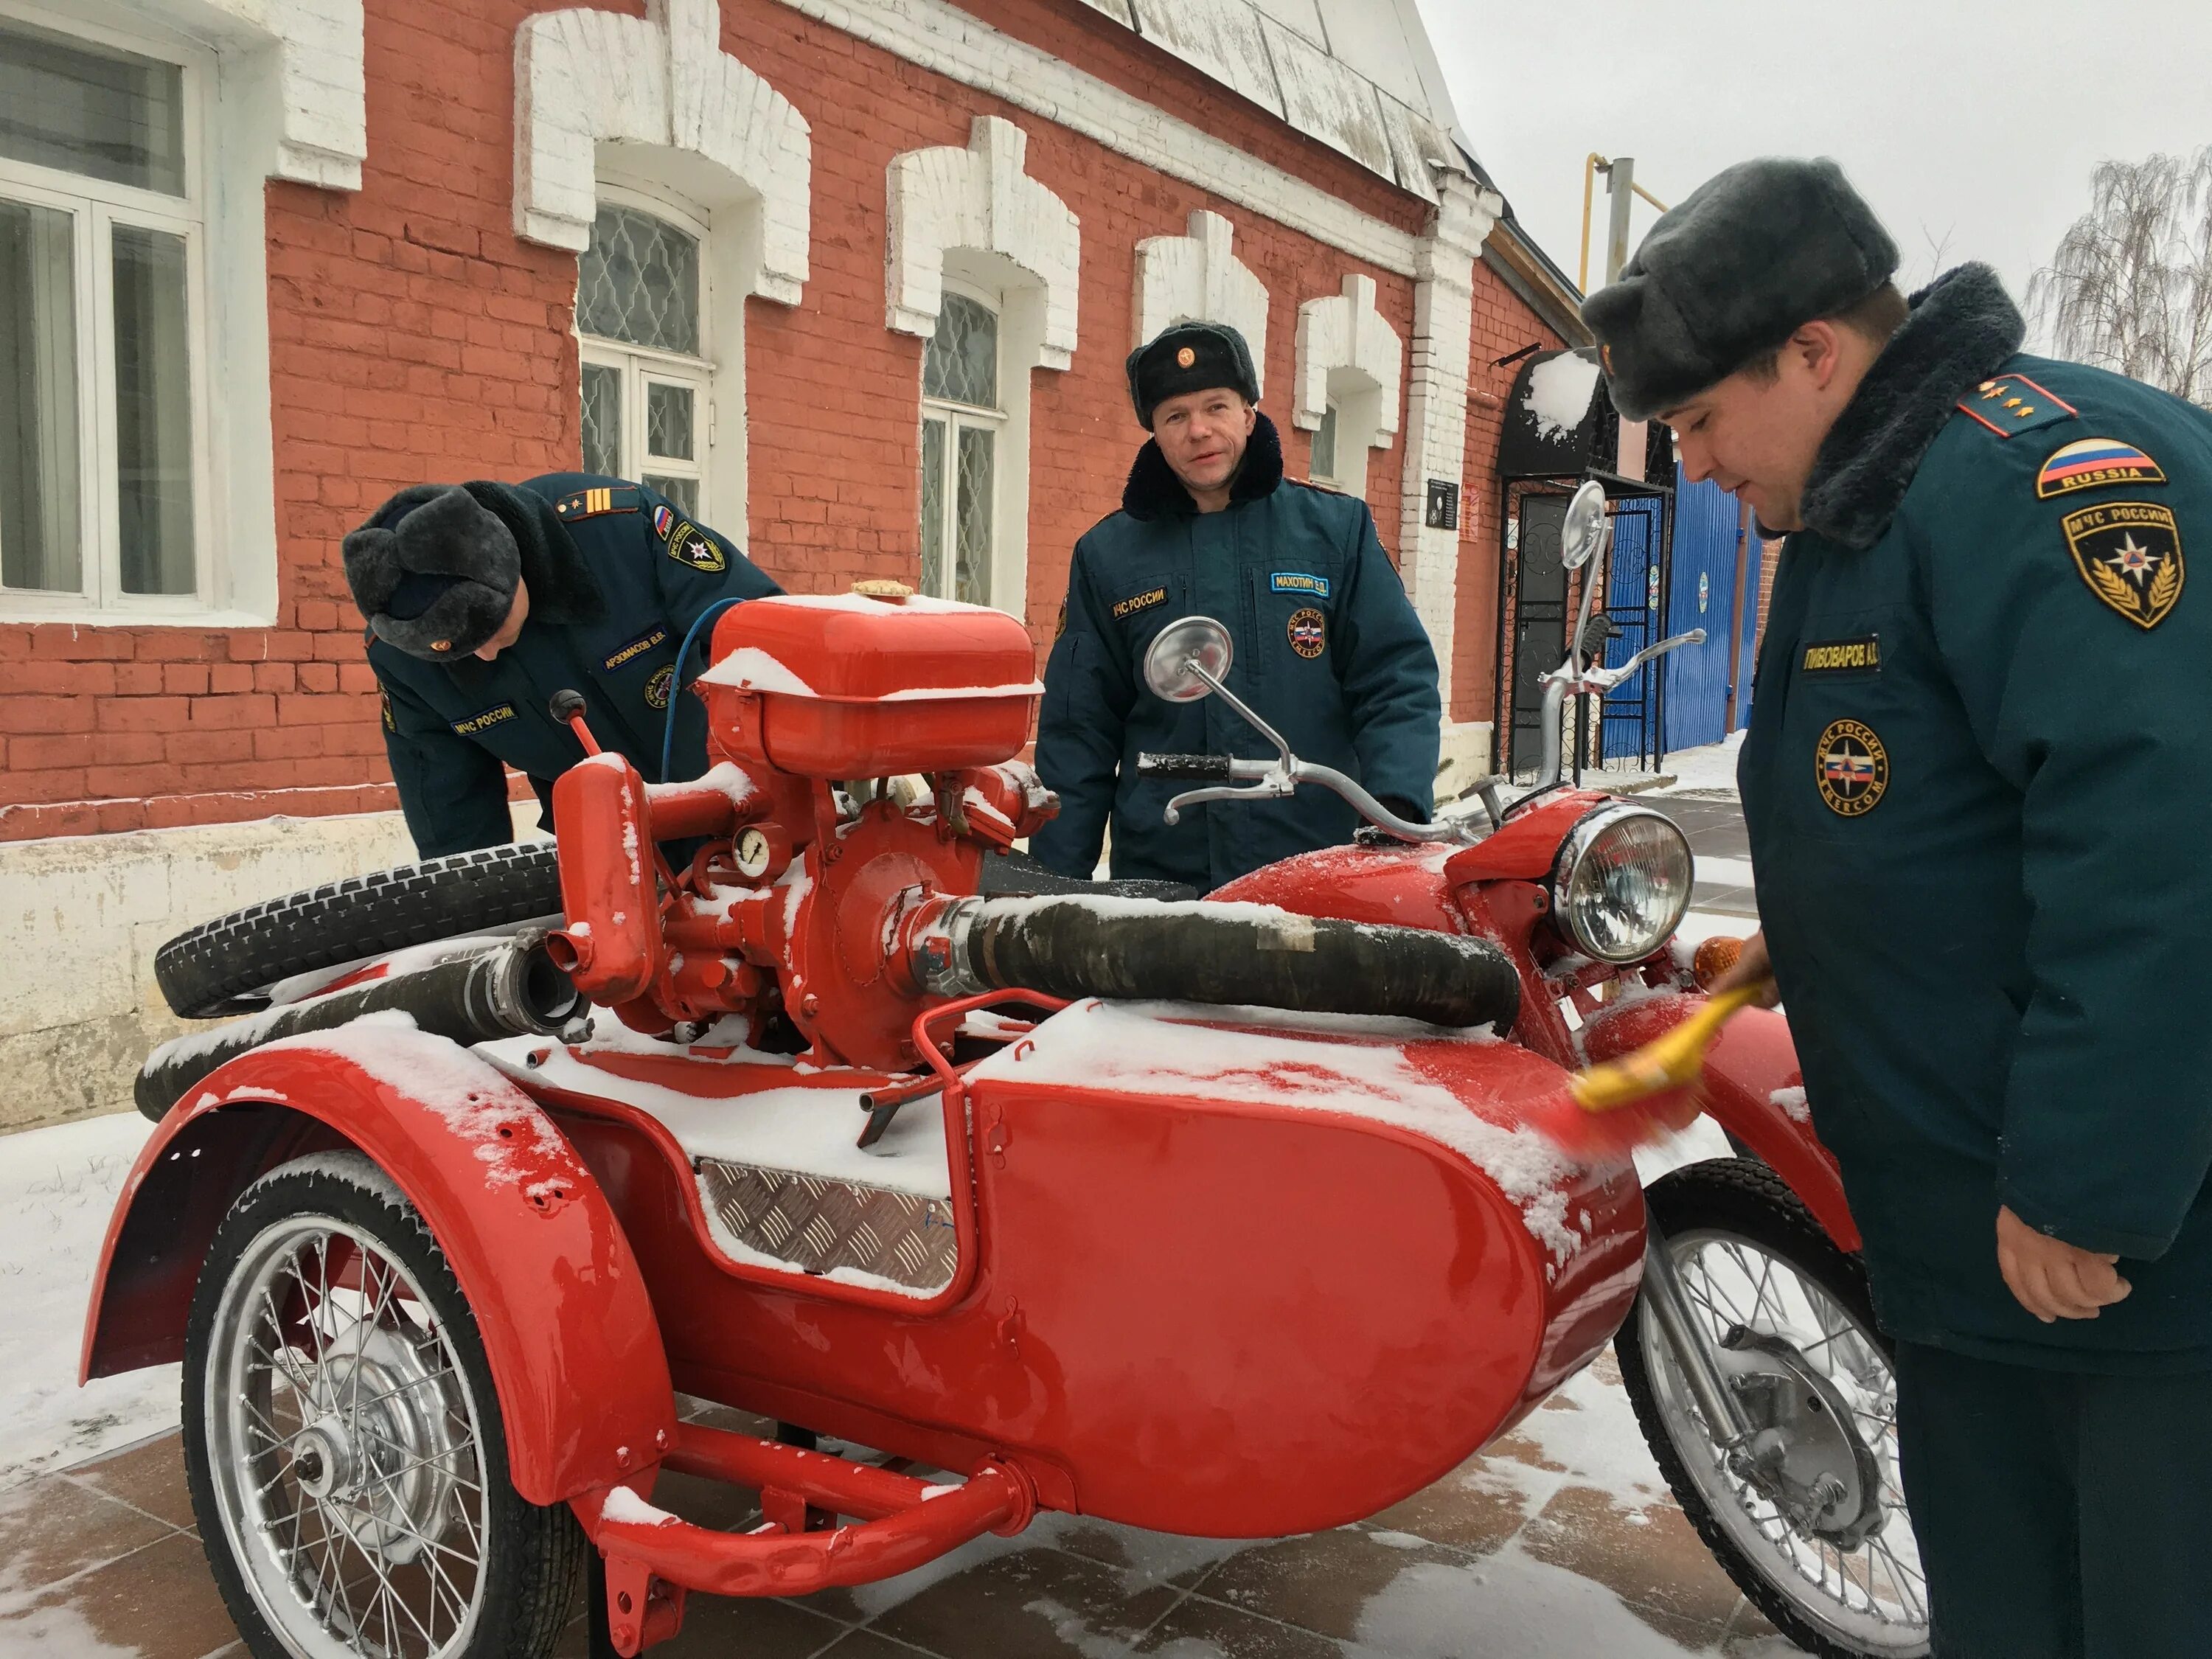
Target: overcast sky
{"type": "Point", "coordinates": [1968, 123]}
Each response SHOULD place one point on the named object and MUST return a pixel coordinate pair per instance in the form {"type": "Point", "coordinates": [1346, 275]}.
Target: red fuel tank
{"type": "Point", "coordinates": [849, 686]}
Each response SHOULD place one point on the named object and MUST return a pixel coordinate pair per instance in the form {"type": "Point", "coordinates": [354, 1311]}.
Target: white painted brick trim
{"type": "Point", "coordinates": [1196, 278]}
{"type": "Point", "coordinates": [979, 198]}
{"type": "Point", "coordinates": [1435, 406]}
{"type": "Point", "coordinates": [322, 124]}
{"type": "Point", "coordinates": [583, 77]}
{"type": "Point", "coordinates": [940, 38]}
{"type": "Point", "coordinates": [1347, 331]}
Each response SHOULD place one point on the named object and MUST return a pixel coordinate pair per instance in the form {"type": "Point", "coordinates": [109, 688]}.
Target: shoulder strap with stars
{"type": "Point", "coordinates": [2009, 404]}
{"type": "Point", "coordinates": [591, 503]}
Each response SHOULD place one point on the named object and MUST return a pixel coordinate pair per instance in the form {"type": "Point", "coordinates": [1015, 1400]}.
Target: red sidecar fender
{"type": "Point", "coordinates": [568, 1330]}
{"type": "Point", "coordinates": [1268, 1280]}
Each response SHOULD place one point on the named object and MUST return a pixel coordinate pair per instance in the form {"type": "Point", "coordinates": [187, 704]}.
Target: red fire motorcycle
{"type": "Point", "coordinates": [1221, 1218]}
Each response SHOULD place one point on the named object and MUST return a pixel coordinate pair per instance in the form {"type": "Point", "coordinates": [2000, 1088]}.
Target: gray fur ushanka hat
{"type": "Point", "coordinates": [1750, 256]}
{"type": "Point", "coordinates": [433, 571]}
{"type": "Point", "coordinates": [1190, 357]}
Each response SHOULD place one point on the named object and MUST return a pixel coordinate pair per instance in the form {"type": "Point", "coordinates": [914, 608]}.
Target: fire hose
{"type": "Point", "coordinates": [1221, 954]}
{"type": "Point", "coordinates": [504, 990]}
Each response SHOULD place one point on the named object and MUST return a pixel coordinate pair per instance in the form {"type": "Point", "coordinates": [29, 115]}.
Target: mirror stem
{"type": "Point", "coordinates": [1197, 672]}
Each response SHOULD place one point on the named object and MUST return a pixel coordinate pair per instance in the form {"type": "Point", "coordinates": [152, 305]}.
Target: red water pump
{"type": "Point", "coordinates": [797, 902]}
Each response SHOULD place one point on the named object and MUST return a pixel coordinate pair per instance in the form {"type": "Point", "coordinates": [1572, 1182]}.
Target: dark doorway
{"type": "Point", "coordinates": [1540, 618]}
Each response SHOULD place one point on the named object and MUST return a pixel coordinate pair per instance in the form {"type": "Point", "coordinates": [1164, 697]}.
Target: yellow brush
{"type": "Point", "coordinates": [1588, 1118]}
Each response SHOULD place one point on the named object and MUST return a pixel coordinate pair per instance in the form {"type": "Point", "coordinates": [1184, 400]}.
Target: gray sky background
{"type": "Point", "coordinates": [1966, 122]}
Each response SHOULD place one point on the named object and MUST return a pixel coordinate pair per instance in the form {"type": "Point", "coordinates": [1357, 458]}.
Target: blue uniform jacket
{"type": "Point", "coordinates": [1977, 783]}
{"type": "Point", "coordinates": [1329, 650]}
{"type": "Point", "coordinates": [616, 575]}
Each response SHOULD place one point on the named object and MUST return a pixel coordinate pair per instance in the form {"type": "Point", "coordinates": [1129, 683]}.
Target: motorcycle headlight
{"type": "Point", "coordinates": [1622, 883]}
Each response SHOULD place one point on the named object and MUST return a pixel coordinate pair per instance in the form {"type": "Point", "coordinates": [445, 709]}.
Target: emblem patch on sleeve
{"type": "Point", "coordinates": [385, 697]}
{"type": "Point", "coordinates": [1136, 602]}
{"type": "Point", "coordinates": [1309, 633]}
{"type": "Point", "coordinates": [695, 547]}
{"type": "Point", "coordinates": [662, 520]}
{"type": "Point", "coordinates": [658, 688]}
{"type": "Point", "coordinates": [2130, 554]}
{"type": "Point", "coordinates": [2095, 463]}
{"type": "Point", "coordinates": [1851, 768]}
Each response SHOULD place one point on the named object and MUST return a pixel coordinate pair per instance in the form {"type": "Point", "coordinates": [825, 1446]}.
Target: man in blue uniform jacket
{"type": "Point", "coordinates": [1328, 648]}
{"type": "Point", "coordinates": [483, 600]}
{"type": "Point", "coordinates": [1977, 783]}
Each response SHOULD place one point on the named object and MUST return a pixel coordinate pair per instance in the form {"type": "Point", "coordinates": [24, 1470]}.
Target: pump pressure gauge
{"type": "Point", "coordinates": [762, 852]}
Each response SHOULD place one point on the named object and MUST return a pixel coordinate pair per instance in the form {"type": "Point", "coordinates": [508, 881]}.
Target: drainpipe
{"type": "Point", "coordinates": [1735, 619]}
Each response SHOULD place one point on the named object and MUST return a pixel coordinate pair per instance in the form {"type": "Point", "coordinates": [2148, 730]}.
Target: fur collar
{"type": "Point", "coordinates": [1154, 492]}
{"type": "Point", "coordinates": [1963, 327]}
{"type": "Point", "coordinates": [561, 584]}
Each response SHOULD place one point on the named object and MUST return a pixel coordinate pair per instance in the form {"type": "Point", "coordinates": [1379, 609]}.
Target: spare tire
{"type": "Point", "coordinates": [225, 966]}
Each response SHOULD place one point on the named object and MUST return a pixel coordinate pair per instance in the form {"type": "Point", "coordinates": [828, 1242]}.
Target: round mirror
{"type": "Point", "coordinates": [1583, 532]}
{"type": "Point", "coordinates": [1190, 641]}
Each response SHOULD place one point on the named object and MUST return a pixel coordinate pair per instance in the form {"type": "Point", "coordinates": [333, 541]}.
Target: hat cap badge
{"type": "Point", "coordinates": [441, 644]}
{"type": "Point", "coordinates": [1186, 357]}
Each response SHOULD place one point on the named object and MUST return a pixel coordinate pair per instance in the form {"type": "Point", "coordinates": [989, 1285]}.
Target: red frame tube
{"type": "Point", "coordinates": [904, 1526]}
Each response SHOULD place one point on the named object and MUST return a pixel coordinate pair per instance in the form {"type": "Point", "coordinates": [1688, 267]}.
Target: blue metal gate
{"type": "Point", "coordinates": [1707, 527]}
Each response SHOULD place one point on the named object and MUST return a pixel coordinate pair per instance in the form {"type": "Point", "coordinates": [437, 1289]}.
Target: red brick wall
{"type": "Point", "coordinates": [413, 336]}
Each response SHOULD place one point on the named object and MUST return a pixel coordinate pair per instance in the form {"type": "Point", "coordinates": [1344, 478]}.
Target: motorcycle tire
{"type": "Point", "coordinates": [325, 1531]}
{"type": "Point", "coordinates": [1740, 1207]}
{"type": "Point", "coordinates": [225, 967]}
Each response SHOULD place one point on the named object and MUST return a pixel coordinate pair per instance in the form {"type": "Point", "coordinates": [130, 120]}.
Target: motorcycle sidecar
{"type": "Point", "coordinates": [1216, 1271]}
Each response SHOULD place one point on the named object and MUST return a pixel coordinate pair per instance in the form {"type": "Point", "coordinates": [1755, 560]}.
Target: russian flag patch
{"type": "Point", "coordinates": [2093, 463]}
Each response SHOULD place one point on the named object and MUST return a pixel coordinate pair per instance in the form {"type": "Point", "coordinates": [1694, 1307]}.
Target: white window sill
{"type": "Point", "coordinates": [81, 617]}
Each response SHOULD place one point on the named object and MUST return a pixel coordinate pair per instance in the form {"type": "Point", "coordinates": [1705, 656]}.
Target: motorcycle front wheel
{"type": "Point", "coordinates": [342, 1442]}
{"type": "Point", "coordinates": [1827, 1553]}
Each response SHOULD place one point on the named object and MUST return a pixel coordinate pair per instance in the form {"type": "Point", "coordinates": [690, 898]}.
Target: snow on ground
{"type": "Point", "coordinates": [58, 1188]}
{"type": "Point", "coordinates": [1711, 767]}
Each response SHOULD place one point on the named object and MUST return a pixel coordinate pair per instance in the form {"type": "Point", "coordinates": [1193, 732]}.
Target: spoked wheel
{"type": "Point", "coordinates": [342, 1443]}
{"type": "Point", "coordinates": [1820, 1543]}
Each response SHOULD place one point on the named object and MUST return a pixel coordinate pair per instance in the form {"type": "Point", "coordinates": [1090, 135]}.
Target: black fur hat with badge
{"type": "Point", "coordinates": [1748, 258]}
{"type": "Point", "coordinates": [1190, 357]}
{"type": "Point", "coordinates": [434, 571]}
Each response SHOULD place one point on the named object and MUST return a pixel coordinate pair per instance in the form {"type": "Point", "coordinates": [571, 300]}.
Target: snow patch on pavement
{"type": "Point", "coordinates": [57, 1188]}
{"type": "Point", "coordinates": [1707, 769]}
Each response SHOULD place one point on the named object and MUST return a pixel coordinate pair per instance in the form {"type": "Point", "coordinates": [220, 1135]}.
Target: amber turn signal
{"type": "Point", "coordinates": [1714, 957]}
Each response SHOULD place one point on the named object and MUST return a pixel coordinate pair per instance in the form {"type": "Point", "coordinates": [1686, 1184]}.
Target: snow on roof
{"type": "Point", "coordinates": [1358, 75]}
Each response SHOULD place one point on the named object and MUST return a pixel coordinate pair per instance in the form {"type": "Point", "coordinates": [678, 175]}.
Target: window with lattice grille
{"type": "Point", "coordinates": [646, 379]}
{"type": "Point", "coordinates": [962, 425]}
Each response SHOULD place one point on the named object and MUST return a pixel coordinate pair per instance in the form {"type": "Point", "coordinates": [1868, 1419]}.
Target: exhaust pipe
{"type": "Point", "coordinates": [508, 989]}
{"type": "Point", "coordinates": [1223, 954]}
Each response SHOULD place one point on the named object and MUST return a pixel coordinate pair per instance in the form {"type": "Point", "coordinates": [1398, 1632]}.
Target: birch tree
{"type": "Point", "coordinates": [2130, 287]}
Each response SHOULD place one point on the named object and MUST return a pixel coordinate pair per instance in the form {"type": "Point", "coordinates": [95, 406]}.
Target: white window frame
{"type": "Point", "coordinates": [642, 365]}
{"type": "Point", "coordinates": [957, 417]}
{"type": "Point", "coordinates": [98, 206]}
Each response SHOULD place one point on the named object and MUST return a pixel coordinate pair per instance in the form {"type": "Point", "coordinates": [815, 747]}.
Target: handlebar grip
{"type": "Point", "coordinates": [1214, 767]}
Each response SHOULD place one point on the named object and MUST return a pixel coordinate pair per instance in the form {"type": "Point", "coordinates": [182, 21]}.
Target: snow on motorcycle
{"type": "Point", "coordinates": [1220, 1217]}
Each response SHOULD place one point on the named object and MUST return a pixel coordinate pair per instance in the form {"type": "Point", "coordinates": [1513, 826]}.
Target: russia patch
{"type": "Point", "coordinates": [1309, 632]}
{"type": "Point", "coordinates": [1136, 602]}
{"type": "Point", "coordinates": [1297, 581]}
{"type": "Point", "coordinates": [2093, 463]}
{"type": "Point", "coordinates": [662, 519]}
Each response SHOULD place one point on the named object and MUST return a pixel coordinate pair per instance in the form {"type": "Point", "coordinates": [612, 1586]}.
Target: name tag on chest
{"type": "Point", "coordinates": [1861, 655]}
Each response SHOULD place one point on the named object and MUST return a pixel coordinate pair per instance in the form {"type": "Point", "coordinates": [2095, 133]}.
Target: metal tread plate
{"type": "Point", "coordinates": [817, 1224]}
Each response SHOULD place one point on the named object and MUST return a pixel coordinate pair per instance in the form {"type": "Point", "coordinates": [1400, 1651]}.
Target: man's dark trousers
{"type": "Point", "coordinates": [2062, 1514]}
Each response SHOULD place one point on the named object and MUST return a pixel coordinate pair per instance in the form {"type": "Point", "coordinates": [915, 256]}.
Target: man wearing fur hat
{"type": "Point", "coordinates": [483, 600]}
{"type": "Point", "coordinates": [1975, 784]}
{"type": "Point", "coordinates": [1328, 648]}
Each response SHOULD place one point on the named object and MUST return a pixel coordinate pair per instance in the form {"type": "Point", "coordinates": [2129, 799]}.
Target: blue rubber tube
{"type": "Point", "coordinates": [676, 683]}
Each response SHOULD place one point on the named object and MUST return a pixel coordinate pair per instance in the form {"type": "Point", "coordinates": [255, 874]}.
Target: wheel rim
{"type": "Point", "coordinates": [1873, 1598]}
{"type": "Point", "coordinates": [344, 1449]}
